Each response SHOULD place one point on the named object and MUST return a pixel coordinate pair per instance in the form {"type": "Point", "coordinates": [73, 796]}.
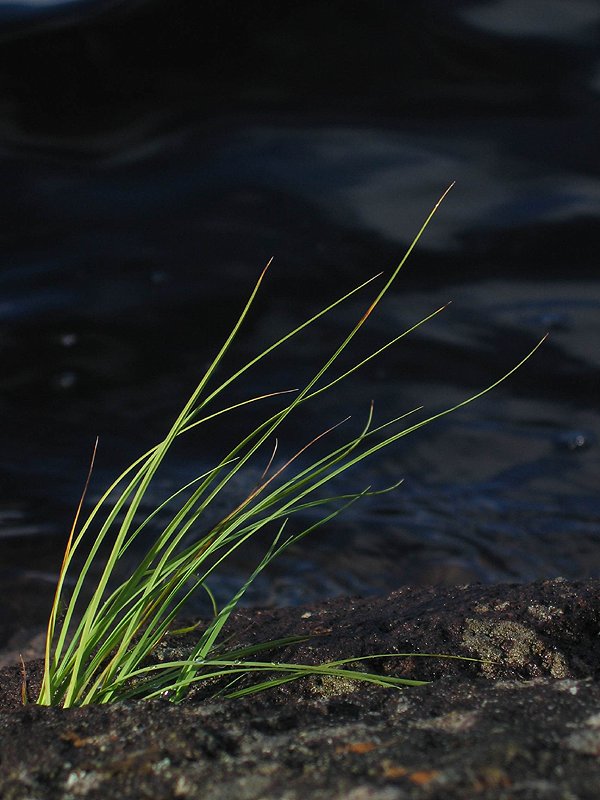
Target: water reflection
{"type": "Point", "coordinates": [135, 221]}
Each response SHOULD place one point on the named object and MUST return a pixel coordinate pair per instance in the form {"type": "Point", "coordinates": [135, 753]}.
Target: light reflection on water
{"type": "Point", "coordinates": [126, 255]}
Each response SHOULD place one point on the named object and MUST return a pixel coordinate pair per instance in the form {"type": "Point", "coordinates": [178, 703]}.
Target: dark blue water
{"type": "Point", "coordinates": [154, 157]}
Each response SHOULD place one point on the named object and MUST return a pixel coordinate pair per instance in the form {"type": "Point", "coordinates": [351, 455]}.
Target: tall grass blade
{"type": "Point", "coordinates": [102, 638]}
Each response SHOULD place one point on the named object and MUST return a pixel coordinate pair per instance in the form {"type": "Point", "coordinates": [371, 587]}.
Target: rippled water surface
{"type": "Point", "coordinates": [141, 196]}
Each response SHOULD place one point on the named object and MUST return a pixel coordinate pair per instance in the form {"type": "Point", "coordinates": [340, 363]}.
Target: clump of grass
{"type": "Point", "coordinates": [99, 649]}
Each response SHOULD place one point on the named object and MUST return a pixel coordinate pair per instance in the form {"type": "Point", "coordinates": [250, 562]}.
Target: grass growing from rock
{"type": "Point", "coordinates": [100, 644]}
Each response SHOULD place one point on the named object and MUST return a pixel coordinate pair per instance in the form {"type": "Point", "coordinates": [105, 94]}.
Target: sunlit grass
{"type": "Point", "coordinates": [101, 639]}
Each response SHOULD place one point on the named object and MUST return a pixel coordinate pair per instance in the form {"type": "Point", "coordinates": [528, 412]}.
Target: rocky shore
{"type": "Point", "coordinates": [523, 724]}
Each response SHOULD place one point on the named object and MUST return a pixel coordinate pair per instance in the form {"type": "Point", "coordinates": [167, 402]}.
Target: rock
{"type": "Point", "coordinates": [526, 724]}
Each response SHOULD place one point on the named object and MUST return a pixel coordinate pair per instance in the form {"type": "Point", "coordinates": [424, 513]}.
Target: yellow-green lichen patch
{"type": "Point", "coordinates": [331, 685]}
{"type": "Point", "coordinates": [544, 613]}
{"type": "Point", "coordinates": [512, 644]}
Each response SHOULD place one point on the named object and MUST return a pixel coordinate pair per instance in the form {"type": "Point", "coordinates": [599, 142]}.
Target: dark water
{"type": "Point", "coordinates": [154, 156]}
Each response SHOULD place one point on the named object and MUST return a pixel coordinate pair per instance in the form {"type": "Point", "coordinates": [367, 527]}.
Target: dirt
{"type": "Point", "coordinates": [524, 724]}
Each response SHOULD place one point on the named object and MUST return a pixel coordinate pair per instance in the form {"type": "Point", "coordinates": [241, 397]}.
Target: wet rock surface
{"type": "Point", "coordinates": [525, 724]}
